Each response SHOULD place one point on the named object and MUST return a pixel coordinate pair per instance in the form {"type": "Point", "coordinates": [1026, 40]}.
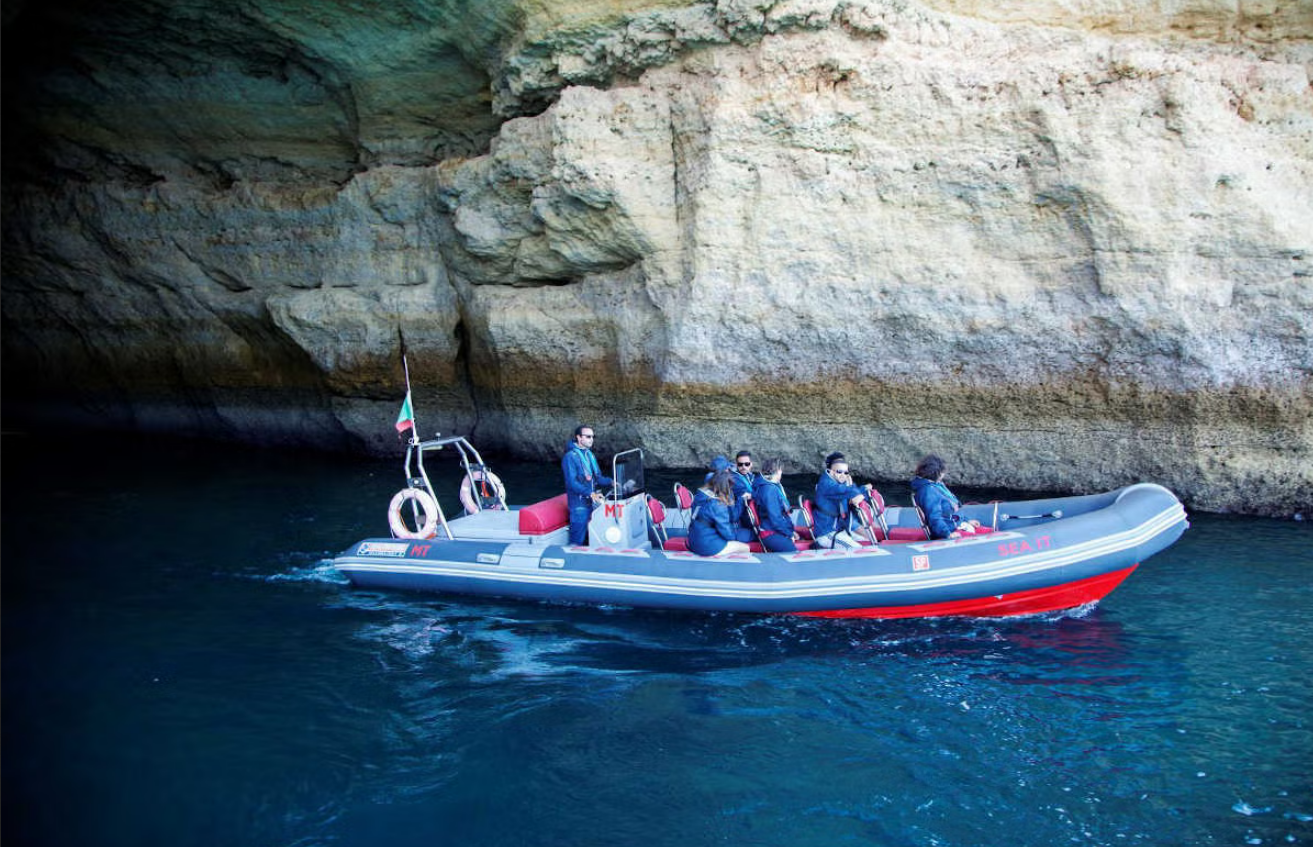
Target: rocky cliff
{"type": "Point", "coordinates": [1066, 246]}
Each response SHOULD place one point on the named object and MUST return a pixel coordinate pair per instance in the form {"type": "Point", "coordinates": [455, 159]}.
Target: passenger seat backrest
{"type": "Point", "coordinates": [877, 506]}
{"type": "Point", "coordinates": [684, 502]}
{"type": "Point", "coordinates": [753, 518]}
{"type": "Point", "coordinates": [920, 515]}
{"type": "Point", "coordinates": [866, 516]}
{"type": "Point", "coordinates": [805, 506]}
{"type": "Point", "coordinates": [656, 512]}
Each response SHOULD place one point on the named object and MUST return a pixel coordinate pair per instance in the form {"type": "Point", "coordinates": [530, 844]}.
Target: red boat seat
{"type": "Point", "coordinates": [808, 528]}
{"type": "Point", "coordinates": [684, 502]}
{"type": "Point", "coordinates": [656, 519]}
{"type": "Point", "coordinates": [924, 532]}
{"type": "Point", "coordinates": [803, 543]}
{"type": "Point", "coordinates": [545, 516]}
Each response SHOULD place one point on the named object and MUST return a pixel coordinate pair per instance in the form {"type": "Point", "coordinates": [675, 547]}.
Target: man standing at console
{"type": "Point", "coordinates": [582, 479]}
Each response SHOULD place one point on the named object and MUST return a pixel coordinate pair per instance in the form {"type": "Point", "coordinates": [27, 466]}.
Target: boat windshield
{"type": "Point", "coordinates": [627, 470]}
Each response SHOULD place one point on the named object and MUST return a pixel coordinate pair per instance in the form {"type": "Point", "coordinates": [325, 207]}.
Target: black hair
{"type": "Point", "coordinates": [579, 430]}
{"type": "Point", "coordinates": [742, 453]}
{"type": "Point", "coordinates": [836, 456]}
{"type": "Point", "coordinates": [931, 467]}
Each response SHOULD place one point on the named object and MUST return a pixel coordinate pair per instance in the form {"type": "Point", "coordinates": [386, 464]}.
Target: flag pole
{"type": "Point", "coordinates": [414, 425]}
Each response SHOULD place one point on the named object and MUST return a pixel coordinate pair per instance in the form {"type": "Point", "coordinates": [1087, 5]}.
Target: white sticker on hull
{"type": "Point", "coordinates": [384, 548]}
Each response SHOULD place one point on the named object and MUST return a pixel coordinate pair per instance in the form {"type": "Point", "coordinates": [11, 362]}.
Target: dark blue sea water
{"type": "Point", "coordinates": [181, 667]}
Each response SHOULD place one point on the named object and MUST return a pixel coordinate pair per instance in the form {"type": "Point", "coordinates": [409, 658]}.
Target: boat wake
{"type": "Point", "coordinates": [495, 641]}
{"type": "Point", "coordinates": [308, 567]}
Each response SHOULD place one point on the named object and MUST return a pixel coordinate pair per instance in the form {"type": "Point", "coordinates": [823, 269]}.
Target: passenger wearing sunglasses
{"type": "Point", "coordinates": [835, 492]}
{"type": "Point", "coordinates": [745, 480]}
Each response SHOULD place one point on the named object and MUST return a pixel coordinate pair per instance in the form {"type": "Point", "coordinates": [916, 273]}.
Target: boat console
{"type": "Point", "coordinates": [621, 521]}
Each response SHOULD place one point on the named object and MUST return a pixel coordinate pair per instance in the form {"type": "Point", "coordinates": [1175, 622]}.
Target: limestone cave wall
{"type": "Point", "coordinates": [1067, 246]}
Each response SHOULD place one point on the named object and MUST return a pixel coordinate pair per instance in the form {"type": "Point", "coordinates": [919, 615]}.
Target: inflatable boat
{"type": "Point", "coordinates": [1033, 556]}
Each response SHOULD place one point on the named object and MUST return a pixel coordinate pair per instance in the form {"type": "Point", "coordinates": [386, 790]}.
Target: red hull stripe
{"type": "Point", "coordinates": [1051, 599]}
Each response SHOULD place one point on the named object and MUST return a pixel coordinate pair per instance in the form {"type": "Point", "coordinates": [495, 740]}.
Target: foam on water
{"type": "Point", "coordinates": [321, 570]}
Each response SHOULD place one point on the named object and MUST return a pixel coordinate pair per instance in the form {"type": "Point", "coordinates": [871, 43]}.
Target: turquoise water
{"type": "Point", "coordinates": [181, 667]}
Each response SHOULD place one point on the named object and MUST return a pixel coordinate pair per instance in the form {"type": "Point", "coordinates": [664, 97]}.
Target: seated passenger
{"type": "Point", "coordinates": [938, 503]}
{"type": "Point", "coordinates": [744, 480]}
{"type": "Point", "coordinates": [711, 533]}
{"type": "Point", "coordinates": [777, 530]}
{"type": "Point", "coordinates": [737, 510]}
{"type": "Point", "coordinates": [834, 493]}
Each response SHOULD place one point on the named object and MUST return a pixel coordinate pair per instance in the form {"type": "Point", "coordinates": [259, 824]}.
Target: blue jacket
{"type": "Point", "coordinates": [831, 505]}
{"type": "Point", "coordinates": [743, 484]}
{"type": "Point", "coordinates": [711, 528]}
{"type": "Point", "coordinates": [939, 505]}
{"type": "Point", "coordinates": [772, 507]}
{"type": "Point", "coordinates": [582, 475]}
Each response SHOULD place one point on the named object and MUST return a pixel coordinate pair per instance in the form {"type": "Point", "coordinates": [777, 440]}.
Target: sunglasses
{"type": "Point", "coordinates": [745, 464]}
{"type": "Point", "coordinates": [840, 473]}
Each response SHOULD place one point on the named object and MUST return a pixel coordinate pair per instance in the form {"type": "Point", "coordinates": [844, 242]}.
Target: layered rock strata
{"type": "Point", "coordinates": [1067, 248]}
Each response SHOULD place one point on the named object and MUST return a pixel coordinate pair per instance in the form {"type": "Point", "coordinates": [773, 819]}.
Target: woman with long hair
{"type": "Point", "coordinates": [711, 532]}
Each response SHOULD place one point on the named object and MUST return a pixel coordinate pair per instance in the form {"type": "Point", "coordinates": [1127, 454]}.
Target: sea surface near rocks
{"type": "Point", "coordinates": [181, 666]}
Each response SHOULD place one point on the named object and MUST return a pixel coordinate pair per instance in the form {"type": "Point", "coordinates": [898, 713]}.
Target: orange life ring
{"type": "Point", "coordinates": [470, 501]}
{"type": "Point", "coordinates": [425, 501]}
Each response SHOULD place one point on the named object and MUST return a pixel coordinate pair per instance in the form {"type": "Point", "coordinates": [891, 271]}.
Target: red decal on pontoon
{"type": "Point", "coordinates": [1050, 599]}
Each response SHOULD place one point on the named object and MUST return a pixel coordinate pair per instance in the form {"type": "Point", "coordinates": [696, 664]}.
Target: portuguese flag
{"type": "Point", "coordinates": [406, 419]}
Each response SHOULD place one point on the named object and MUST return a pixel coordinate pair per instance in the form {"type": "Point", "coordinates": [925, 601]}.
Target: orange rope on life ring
{"type": "Point", "coordinates": [425, 501]}
{"type": "Point", "coordinates": [470, 500]}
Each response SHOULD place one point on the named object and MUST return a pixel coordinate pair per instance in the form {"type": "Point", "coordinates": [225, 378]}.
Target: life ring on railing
{"type": "Point", "coordinates": [492, 496]}
{"type": "Point", "coordinates": [425, 501]}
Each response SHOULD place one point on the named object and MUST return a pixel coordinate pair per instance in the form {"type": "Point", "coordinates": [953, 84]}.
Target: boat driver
{"type": "Point", "coordinates": [583, 478]}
